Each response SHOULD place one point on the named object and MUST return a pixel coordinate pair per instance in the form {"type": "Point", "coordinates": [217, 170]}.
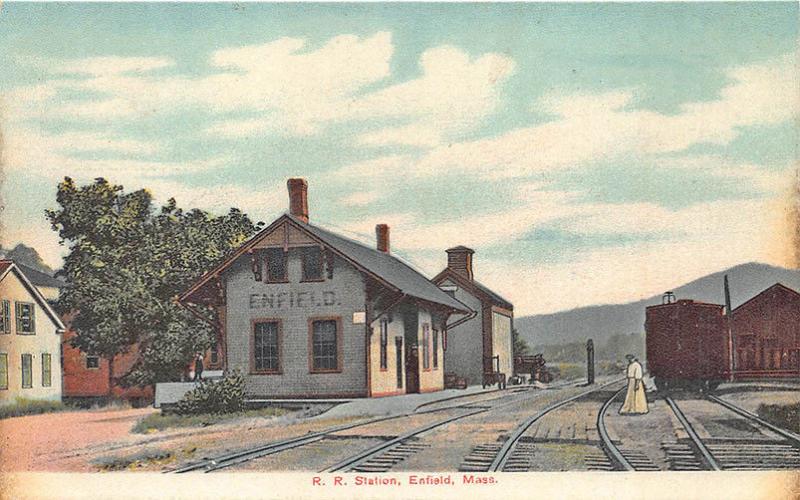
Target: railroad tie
{"type": "Point", "coordinates": [391, 457]}
{"type": "Point", "coordinates": [480, 458]}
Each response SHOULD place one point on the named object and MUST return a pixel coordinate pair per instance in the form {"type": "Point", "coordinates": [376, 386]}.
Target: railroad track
{"type": "Point", "coordinates": [513, 455]}
{"type": "Point", "coordinates": [249, 454]}
{"type": "Point", "coordinates": [384, 456]}
{"type": "Point", "coordinates": [728, 453]}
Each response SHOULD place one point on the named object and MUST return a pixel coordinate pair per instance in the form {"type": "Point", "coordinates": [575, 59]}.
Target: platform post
{"type": "Point", "coordinates": [590, 362]}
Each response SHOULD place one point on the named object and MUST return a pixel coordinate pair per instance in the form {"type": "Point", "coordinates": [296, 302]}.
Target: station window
{"type": "Point", "coordinates": [47, 373]}
{"type": "Point", "coordinates": [312, 264]}
{"type": "Point", "coordinates": [27, 371]}
{"type": "Point", "coordinates": [435, 349]}
{"type": "Point", "coordinates": [276, 265]}
{"type": "Point", "coordinates": [26, 323]}
{"type": "Point", "coordinates": [3, 371]}
{"type": "Point", "coordinates": [426, 347]}
{"type": "Point", "coordinates": [266, 347]}
{"type": "Point", "coordinates": [384, 344]}
{"type": "Point", "coordinates": [325, 345]}
{"type": "Point", "coordinates": [92, 362]}
{"type": "Point", "coordinates": [5, 317]}
{"type": "Point", "coordinates": [214, 358]}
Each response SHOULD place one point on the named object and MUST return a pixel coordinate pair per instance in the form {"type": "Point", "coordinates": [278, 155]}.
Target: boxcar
{"type": "Point", "coordinates": [686, 344]}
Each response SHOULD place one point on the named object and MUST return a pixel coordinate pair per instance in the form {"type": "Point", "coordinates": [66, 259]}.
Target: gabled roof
{"type": "Point", "coordinates": [387, 269]}
{"type": "Point", "coordinates": [778, 286]}
{"type": "Point", "coordinates": [7, 267]}
{"type": "Point", "coordinates": [474, 286]}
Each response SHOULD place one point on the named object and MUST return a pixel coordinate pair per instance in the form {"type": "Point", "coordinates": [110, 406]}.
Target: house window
{"type": "Point", "coordinates": [27, 373]}
{"type": "Point", "coordinates": [26, 323]}
{"type": "Point", "coordinates": [47, 378]}
{"type": "Point", "coordinates": [426, 347]}
{"type": "Point", "coordinates": [5, 317]}
{"type": "Point", "coordinates": [266, 348]}
{"type": "Point", "coordinates": [92, 362]}
{"type": "Point", "coordinates": [384, 343]}
{"type": "Point", "coordinates": [3, 371]}
{"type": "Point", "coordinates": [435, 349]}
{"type": "Point", "coordinates": [325, 345]}
{"type": "Point", "coordinates": [276, 265]}
{"type": "Point", "coordinates": [312, 264]}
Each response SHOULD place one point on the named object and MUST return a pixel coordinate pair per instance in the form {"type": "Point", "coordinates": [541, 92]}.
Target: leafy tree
{"type": "Point", "coordinates": [126, 264]}
{"type": "Point", "coordinates": [520, 346]}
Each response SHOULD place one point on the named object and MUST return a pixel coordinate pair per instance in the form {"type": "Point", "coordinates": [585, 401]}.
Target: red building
{"type": "Point", "coordinates": [766, 333]}
{"type": "Point", "coordinates": [86, 377]}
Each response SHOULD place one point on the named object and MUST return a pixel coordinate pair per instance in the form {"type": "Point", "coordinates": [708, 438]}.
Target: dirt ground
{"type": "Point", "coordinates": [39, 442]}
{"type": "Point", "coordinates": [75, 441]}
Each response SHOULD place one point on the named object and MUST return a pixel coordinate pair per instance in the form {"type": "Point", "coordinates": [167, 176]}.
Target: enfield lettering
{"type": "Point", "coordinates": [289, 300]}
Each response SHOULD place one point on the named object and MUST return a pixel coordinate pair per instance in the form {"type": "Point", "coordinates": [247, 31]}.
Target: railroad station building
{"type": "Point", "coordinates": [766, 332]}
{"type": "Point", "coordinates": [482, 344]}
{"type": "Point", "coordinates": [306, 313]}
{"type": "Point", "coordinates": [30, 340]}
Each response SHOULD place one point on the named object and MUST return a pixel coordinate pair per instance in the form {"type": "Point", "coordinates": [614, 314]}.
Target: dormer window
{"type": "Point", "coordinates": [276, 265]}
{"type": "Point", "coordinates": [312, 264]}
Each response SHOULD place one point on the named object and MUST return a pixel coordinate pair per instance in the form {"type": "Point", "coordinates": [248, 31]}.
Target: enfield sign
{"type": "Point", "coordinates": [291, 299]}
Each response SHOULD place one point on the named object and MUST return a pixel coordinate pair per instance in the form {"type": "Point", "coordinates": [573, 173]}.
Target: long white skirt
{"type": "Point", "coordinates": [635, 400]}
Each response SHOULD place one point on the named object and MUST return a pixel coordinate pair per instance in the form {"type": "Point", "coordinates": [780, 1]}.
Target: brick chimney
{"type": "Point", "coordinates": [459, 260]}
{"type": "Point", "coordinates": [382, 235]}
{"type": "Point", "coordinates": [298, 198]}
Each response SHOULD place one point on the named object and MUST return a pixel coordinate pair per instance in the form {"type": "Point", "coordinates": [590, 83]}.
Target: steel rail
{"type": "Point", "coordinates": [788, 435]}
{"type": "Point", "coordinates": [505, 451]}
{"type": "Point", "coordinates": [698, 443]}
{"type": "Point", "coordinates": [246, 455]}
{"type": "Point", "coordinates": [612, 451]}
{"type": "Point", "coordinates": [366, 455]}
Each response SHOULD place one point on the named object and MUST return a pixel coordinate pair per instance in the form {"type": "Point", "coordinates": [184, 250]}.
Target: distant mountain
{"type": "Point", "coordinates": [23, 254]}
{"type": "Point", "coordinates": [602, 322]}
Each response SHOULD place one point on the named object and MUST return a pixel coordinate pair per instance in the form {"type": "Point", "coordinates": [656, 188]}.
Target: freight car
{"type": "Point", "coordinates": [686, 344]}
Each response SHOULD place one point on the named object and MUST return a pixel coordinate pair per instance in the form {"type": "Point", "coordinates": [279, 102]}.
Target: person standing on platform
{"type": "Point", "coordinates": [635, 399]}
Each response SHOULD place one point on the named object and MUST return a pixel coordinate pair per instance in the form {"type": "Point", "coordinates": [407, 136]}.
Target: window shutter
{"type": "Point", "coordinates": [18, 315]}
{"type": "Point", "coordinates": [33, 318]}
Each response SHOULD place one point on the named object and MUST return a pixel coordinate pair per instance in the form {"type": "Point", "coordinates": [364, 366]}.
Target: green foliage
{"type": "Point", "coordinates": [785, 416]}
{"type": "Point", "coordinates": [125, 266]}
{"type": "Point", "coordinates": [135, 460]}
{"type": "Point", "coordinates": [30, 407]}
{"type": "Point", "coordinates": [214, 396]}
{"type": "Point", "coordinates": [161, 421]}
{"type": "Point", "coordinates": [520, 346]}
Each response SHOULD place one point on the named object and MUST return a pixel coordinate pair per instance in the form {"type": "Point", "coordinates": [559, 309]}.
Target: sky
{"type": "Point", "coordinates": [588, 153]}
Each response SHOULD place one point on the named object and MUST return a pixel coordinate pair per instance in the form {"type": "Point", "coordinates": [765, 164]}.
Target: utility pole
{"type": "Point", "coordinates": [729, 318]}
{"type": "Point", "coordinates": [590, 361]}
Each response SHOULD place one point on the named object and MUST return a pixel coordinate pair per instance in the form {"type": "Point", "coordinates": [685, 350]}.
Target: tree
{"type": "Point", "coordinates": [520, 346]}
{"type": "Point", "coordinates": [126, 263]}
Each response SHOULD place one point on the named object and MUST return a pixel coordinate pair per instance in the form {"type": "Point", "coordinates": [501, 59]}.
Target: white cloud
{"type": "Point", "coordinates": [360, 198]}
{"type": "Point", "coordinates": [712, 237]}
{"type": "Point", "coordinates": [52, 156]}
{"type": "Point", "coordinates": [293, 89]}
{"type": "Point", "coordinates": [602, 127]}
{"type": "Point", "coordinates": [109, 65]}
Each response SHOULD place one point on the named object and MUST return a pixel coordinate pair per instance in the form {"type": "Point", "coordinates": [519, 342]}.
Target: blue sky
{"type": "Point", "coordinates": [587, 152]}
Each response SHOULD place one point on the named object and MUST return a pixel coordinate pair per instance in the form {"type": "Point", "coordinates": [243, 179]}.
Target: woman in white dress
{"type": "Point", "coordinates": [635, 399]}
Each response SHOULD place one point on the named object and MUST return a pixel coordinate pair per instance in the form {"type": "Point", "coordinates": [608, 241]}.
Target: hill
{"type": "Point", "coordinates": [604, 321]}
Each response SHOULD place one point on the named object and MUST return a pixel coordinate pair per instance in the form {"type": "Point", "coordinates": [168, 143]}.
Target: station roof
{"type": "Point", "coordinates": [385, 267]}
